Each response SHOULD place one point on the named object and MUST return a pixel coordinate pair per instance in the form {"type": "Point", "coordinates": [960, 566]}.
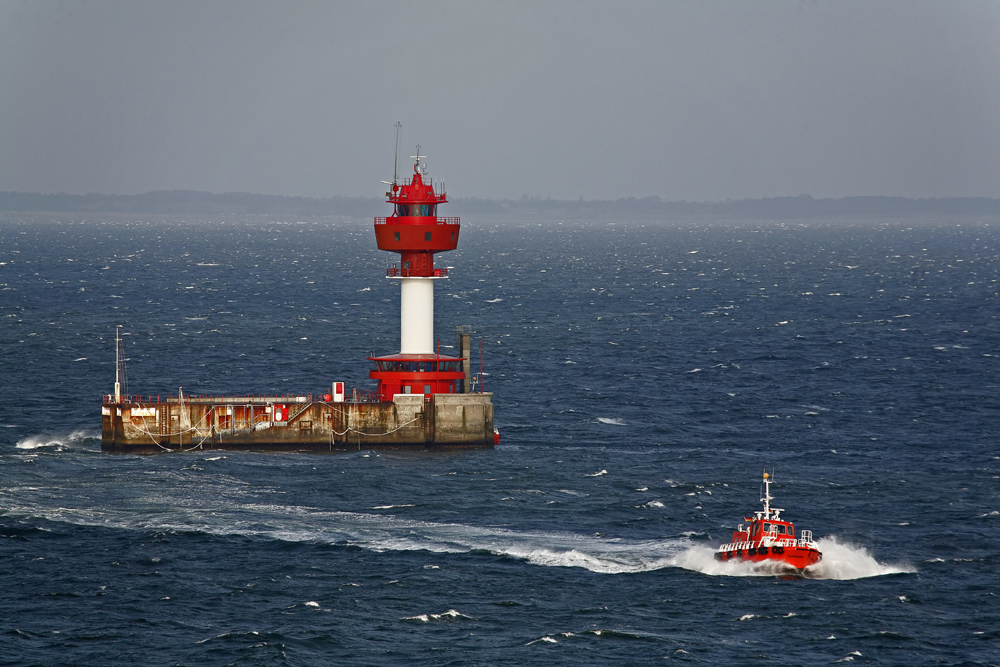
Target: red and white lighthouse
{"type": "Point", "coordinates": [415, 231]}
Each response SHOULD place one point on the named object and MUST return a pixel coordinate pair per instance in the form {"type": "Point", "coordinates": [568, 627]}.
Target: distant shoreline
{"type": "Point", "coordinates": [187, 202]}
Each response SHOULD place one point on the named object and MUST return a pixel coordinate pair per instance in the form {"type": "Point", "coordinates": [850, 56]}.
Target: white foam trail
{"type": "Point", "coordinates": [840, 561]}
{"type": "Point", "coordinates": [614, 421]}
{"type": "Point", "coordinates": [848, 561]}
{"type": "Point", "coordinates": [377, 533]}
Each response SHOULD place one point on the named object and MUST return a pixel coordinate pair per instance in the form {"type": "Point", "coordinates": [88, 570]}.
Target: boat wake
{"type": "Point", "coordinates": [840, 561]}
{"type": "Point", "coordinates": [213, 514]}
{"type": "Point", "coordinates": [368, 531]}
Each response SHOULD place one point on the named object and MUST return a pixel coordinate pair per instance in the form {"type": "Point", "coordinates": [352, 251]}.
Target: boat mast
{"type": "Point", "coordinates": [767, 496]}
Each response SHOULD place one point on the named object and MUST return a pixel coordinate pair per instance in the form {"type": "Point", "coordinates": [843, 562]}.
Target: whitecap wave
{"type": "Point", "coordinates": [614, 421]}
{"type": "Point", "coordinates": [443, 616]}
{"type": "Point", "coordinates": [57, 442]}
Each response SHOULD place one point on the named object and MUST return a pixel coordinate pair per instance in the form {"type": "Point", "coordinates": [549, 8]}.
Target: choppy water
{"type": "Point", "coordinates": [644, 374]}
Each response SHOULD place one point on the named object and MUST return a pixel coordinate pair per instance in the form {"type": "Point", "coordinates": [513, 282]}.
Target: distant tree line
{"type": "Point", "coordinates": [189, 202]}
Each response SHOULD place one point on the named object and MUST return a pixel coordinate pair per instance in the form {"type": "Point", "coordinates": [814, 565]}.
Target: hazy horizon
{"type": "Point", "coordinates": [698, 102]}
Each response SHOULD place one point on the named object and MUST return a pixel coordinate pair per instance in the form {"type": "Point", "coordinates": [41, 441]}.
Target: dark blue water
{"type": "Point", "coordinates": [644, 375]}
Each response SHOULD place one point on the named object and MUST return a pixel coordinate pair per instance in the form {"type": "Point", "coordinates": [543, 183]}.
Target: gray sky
{"type": "Point", "coordinates": [684, 100]}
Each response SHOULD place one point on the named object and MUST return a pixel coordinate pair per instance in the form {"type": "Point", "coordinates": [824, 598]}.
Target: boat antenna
{"type": "Point", "coordinates": [395, 160]}
{"type": "Point", "coordinates": [767, 495]}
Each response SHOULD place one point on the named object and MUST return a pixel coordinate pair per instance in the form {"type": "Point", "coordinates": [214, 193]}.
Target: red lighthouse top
{"type": "Point", "coordinates": [415, 197]}
{"type": "Point", "coordinates": [414, 229]}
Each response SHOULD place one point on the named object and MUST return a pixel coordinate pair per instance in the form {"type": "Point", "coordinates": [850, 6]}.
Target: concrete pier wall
{"type": "Point", "coordinates": [411, 420]}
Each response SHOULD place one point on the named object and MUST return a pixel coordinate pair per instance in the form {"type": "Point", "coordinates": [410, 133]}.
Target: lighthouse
{"type": "Point", "coordinates": [423, 399]}
{"type": "Point", "coordinates": [416, 233]}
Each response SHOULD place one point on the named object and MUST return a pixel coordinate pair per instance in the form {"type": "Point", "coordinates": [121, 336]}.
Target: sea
{"type": "Point", "coordinates": [645, 373]}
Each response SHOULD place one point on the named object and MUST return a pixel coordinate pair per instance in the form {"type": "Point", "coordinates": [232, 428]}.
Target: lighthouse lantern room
{"type": "Point", "coordinates": [415, 231]}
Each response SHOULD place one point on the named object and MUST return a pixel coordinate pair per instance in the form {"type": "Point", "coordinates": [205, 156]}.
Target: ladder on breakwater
{"type": "Point", "coordinates": [299, 411]}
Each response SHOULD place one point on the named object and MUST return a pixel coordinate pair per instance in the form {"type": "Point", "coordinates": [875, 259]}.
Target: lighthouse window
{"type": "Point", "coordinates": [416, 210]}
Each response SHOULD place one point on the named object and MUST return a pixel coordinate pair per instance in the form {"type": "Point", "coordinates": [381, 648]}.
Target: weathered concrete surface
{"type": "Point", "coordinates": [246, 423]}
{"type": "Point", "coordinates": [460, 417]}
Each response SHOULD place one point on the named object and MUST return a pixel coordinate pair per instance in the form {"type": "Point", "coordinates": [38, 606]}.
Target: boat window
{"type": "Point", "coordinates": [779, 529]}
{"type": "Point", "coordinates": [767, 528]}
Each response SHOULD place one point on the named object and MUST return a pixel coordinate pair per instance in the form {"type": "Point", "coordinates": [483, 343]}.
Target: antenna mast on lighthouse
{"type": "Point", "coordinates": [395, 157]}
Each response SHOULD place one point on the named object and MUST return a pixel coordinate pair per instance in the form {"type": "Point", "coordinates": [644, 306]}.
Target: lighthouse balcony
{"type": "Point", "coordinates": [418, 220]}
{"type": "Point", "coordinates": [396, 272]}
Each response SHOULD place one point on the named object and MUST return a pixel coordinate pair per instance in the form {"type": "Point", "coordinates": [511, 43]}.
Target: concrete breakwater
{"type": "Point", "coordinates": [295, 423]}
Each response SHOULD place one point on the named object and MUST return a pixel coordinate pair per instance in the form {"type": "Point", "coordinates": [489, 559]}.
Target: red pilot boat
{"type": "Point", "coordinates": [767, 538]}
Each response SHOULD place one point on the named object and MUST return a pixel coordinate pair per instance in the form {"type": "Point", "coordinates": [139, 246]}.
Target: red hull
{"type": "Point", "coordinates": [798, 558]}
